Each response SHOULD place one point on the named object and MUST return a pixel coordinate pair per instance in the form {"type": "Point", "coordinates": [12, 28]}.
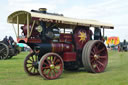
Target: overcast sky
{"type": "Point", "coordinates": [112, 11]}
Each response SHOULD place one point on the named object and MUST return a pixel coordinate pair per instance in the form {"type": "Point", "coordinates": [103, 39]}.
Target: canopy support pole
{"type": "Point", "coordinates": [103, 32]}
{"type": "Point", "coordinates": [64, 30]}
{"type": "Point", "coordinates": [27, 25]}
{"type": "Point", "coordinates": [18, 26]}
{"type": "Point", "coordinates": [32, 27]}
{"type": "Point", "coordinates": [14, 30]}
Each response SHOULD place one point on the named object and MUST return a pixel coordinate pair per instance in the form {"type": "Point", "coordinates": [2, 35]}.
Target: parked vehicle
{"type": "Point", "coordinates": [123, 46]}
{"type": "Point", "coordinates": [60, 42]}
{"type": "Point", "coordinates": [8, 48]}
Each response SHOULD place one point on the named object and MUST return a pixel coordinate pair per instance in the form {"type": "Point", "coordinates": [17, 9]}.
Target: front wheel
{"type": "Point", "coordinates": [51, 66]}
{"type": "Point", "coordinates": [95, 56]}
{"type": "Point", "coordinates": [31, 64]}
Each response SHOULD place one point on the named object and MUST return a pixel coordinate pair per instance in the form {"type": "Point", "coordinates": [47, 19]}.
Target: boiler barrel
{"type": "Point", "coordinates": [62, 47]}
{"type": "Point", "coordinates": [56, 47]}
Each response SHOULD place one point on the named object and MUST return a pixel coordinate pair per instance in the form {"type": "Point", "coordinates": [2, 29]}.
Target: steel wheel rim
{"type": "Point", "coordinates": [4, 51]}
{"type": "Point", "coordinates": [98, 57]}
{"type": "Point", "coordinates": [51, 66]}
{"type": "Point", "coordinates": [29, 64]}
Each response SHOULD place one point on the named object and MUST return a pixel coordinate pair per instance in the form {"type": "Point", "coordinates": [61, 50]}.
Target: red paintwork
{"type": "Point", "coordinates": [62, 47]}
{"type": "Point", "coordinates": [100, 62]}
{"type": "Point", "coordinates": [80, 44]}
{"type": "Point", "coordinates": [69, 56]}
{"type": "Point", "coordinates": [35, 33]}
{"type": "Point", "coordinates": [66, 38]}
{"type": "Point", "coordinates": [22, 39]}
{"type": "Point", "coordinates": [34, 40]}
{"type": "Point", "coordinates": [29, 40]}
{"type": "Point", "coordinates": [45, 64]}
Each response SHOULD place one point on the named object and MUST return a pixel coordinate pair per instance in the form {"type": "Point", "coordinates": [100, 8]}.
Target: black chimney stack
{"type": "Point", "coordinates": [43, 10]}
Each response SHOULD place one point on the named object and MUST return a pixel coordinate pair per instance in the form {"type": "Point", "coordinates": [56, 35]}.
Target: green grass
{"type": "Point", "coordinates": [12, 73]}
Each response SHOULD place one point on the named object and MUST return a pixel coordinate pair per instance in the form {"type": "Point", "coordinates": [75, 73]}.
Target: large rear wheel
{"type": "Point", "coordinates": [95, 56]}
{"type": "Point", "coordinates": [4, 51]}
{"type": "Point", "coordinates": [51, 66]}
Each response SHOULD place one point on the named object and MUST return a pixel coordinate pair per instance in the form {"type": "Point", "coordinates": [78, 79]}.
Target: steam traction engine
{"type": "Point", "coordinates": [60, 43]}
{"type": "Point", "coordinates": [8, 48]}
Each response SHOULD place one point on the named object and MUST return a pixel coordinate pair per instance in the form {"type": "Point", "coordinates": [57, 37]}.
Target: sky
{"type": "Point", "coordinates": [111, 11]}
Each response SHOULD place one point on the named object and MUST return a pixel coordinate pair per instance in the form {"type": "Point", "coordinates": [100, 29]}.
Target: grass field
{"type": "Point", "coordinates": [12, 73]}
